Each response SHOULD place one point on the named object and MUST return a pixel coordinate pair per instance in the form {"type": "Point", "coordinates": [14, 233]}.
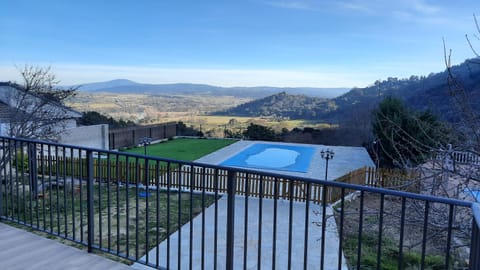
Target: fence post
{"type": "Point", "coordinates": [90, 221]}
{"type": "Point", "coordinates": [113, 141]}
{"type": "Point", "coordinates": [230, 219]}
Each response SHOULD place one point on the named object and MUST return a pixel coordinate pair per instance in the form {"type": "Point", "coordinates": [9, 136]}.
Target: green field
{"type": "Point", "coordinates": [183, 149]}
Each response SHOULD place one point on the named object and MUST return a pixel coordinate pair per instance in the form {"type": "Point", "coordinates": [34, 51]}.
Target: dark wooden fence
{"type": "Point", "coordinates": [131, 136]}
{"type": "Point", "coordinates": [378, 177]}
{"type": "Point", "coordinates": [197, 178]}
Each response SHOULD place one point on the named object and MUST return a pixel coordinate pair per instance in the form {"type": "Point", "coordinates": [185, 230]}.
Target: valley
{"type": "Point", "coordinates": [217, 111]}
{"type": "Point", "coordinates": [193, 110]}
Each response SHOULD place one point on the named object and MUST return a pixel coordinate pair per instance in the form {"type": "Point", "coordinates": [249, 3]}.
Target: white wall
{"type": "Point", "coordinates": [4, 128]}
{"type": "Point", "coordinates": [87, 136]}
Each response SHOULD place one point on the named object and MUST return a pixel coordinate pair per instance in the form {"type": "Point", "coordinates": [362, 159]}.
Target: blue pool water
{"type": "Point", "coordinates": [291, 158]}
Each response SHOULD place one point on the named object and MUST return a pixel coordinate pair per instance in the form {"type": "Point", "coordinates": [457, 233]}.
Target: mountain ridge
{"type": "Point", "coordinates": [430, 92]}
{"type": "Point", "coordinates": [128, 86]}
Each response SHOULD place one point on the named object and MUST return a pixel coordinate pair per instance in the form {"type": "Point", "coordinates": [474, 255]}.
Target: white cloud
{"type": "Point", "coordinates": [418, 11]}
{"type": "Point", "coordinates": [356, 6]}
{"type": "Point", "coordinates": [422, 7]}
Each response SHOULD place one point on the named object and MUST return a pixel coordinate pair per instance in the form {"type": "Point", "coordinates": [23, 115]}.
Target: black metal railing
{"type": "Point", "coordinates": [475, 244]}
{"type": "Point", "coordinates": [171, 214]}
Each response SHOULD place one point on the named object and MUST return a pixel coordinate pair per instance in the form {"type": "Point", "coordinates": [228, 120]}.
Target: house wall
{"type": "Point", "coordinates": [27, 103]}
{"type": "Point", "coordinates": [4, 127]}
{"type": "Point", "coordinates": [95, 136]}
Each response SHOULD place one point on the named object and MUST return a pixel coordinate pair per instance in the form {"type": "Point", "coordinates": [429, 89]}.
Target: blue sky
{"type": "Point", "coordinates": [235, 43]}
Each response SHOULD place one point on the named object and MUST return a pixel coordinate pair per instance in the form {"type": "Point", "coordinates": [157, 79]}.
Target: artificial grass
{"type": "Point", "coordinates": [183, 149]}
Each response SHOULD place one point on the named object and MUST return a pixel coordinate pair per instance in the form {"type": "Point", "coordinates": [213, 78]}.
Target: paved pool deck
{"type": "Point", "coordinates": [282, 240]}
{"type": "Point", "coordinates": [345, 160]}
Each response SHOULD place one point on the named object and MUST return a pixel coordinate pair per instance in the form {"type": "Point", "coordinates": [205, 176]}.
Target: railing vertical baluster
{"type": "Point", "coordinates": [127, 205]}
{"type": "Point", "coordinates": [10, 169]}
{"type": "Point", "coordinates": [118, 178]}
{"type": "Point", "coordinates": [449, 236]}
{"type": "Point", "coordinates": [275, 215]}
{"type": "Point", "coordinates": [147, 214]}
{"type": "Point", "coordinates": [260, 217]}
{"type": "Point", "coordinates": [168, 213]}
{"type": "Point", "coordinates": [2, 181]}
{"type": "Point", "coordinates": [340, 234]}
{"type": "Point", "coordinates": [65, 205]}
{"type": "Point", "coordinates": [109, 202]}
{"type": "Point", "coordinates": [9, 179]}
{"type": "Point", "coordinates": [50, 187]}
{"type": "Point", "coordinates": [324, 226]}
{"type": "Point", "coordinates": [17, 183]}
{"type": "Point", "coordinates": [57, 188]}
{"type": "Point", "coordinates": [474, 247]}
{"type": "Point", "coordinates": [72, 172]}
{"type": "Point", "coordinates": [22, 177]}
{"type": "Point", "coordinates": [100, 198]}
{"type": "Point", "coordinates": [380, 231]}
{"type": "Point", "coordinates": [231, 184]}
{"type": "Point", "coordinates": [360, 230]}
{"type": "Point", "coordinates": [137, 183]}
{"type": "Point", "coordinates": [32, 171]}
{"type": "Point", "coordinates": [425, 232]}
{"type": "Point", "coordinates": [474, 261]}
{"type": "Point", "coordinates": [305, 243]}
{"type": "Point", "coordinates": [190, 239]}
{"type": "Point", "coordinates": [402, 231]}
{"type": "Point", "coordinates": [215, 226]}
{"type": "Point", "coordinates": [90, 221]}
{"type": "Point", "coordinates": [290, 224]}
{"type": "Point", "coordinates": [179, 216]}
{"type": "Point", "coordinates": [80, 175]}
{"type": "Point", "coordinates": [157, 213]}
{"type": "Point", "coordinates": [157, 205]}
{"type": "Point", "coordinates": [203, 217]}
{"type": "Point", "coordinates": [245, 222]}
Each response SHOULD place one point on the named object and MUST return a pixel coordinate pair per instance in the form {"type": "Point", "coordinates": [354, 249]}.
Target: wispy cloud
{"type": "Point", "coordinates": [356, 6]}
{"type": "Point", "coordinates": [422, 7]}
{"type": "Point", "coordinates": [419, 11]}
{"type": "Point", "coordinates": [290, 4]}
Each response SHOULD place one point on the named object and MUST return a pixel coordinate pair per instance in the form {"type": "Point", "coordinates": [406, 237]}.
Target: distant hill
{"type": "Point", "coordinates": [422, 93]}
{"type": "Point", "coordinates": [283, 105]}
{"type": "Point", "coordinates": [127, 86]}
{"type": "Point", "coordinates": [106, 85]}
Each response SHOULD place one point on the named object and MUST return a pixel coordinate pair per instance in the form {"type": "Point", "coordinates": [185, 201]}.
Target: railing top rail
{"type": "Point", "coordinates": [390, 192]}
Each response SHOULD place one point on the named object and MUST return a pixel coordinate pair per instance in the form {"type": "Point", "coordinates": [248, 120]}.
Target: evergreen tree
{"type": "Point", "coordinates": [258, 132]}
{"type": "Point", "coordinates": [406, 137]}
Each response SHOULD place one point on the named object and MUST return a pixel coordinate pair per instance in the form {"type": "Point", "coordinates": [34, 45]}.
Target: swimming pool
{"type": "Point", "coordinates": [291, 158]}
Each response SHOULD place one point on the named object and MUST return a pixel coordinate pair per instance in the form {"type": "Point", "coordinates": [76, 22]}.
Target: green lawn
{"type": "Point", "coordinates": [183, 149]}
